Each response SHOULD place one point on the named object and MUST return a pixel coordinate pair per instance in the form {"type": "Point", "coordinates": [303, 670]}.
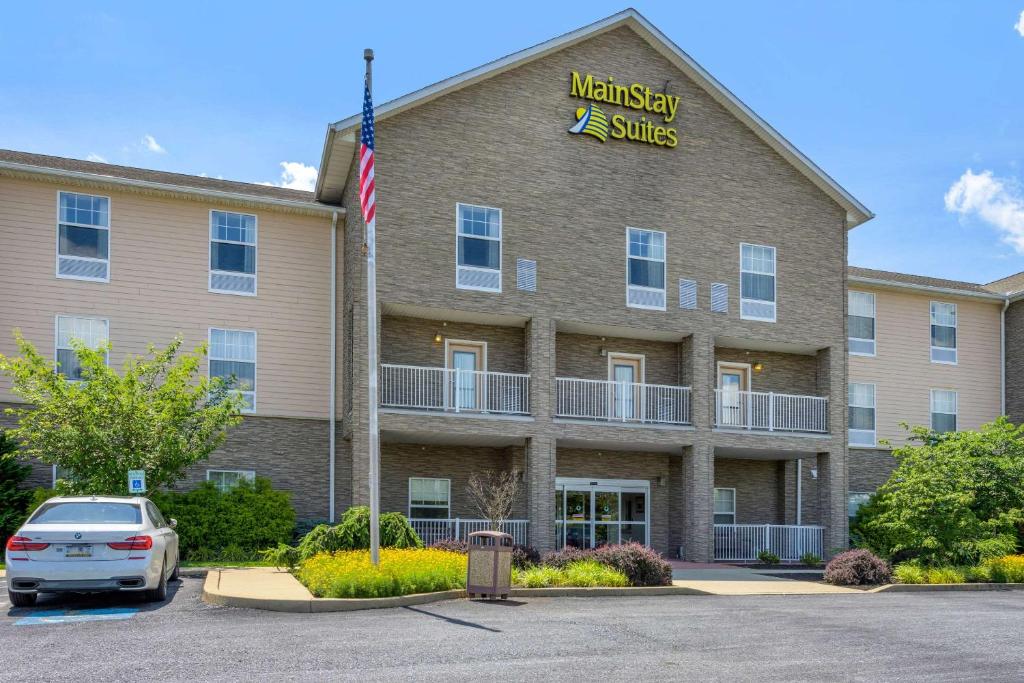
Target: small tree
{"type": "Point", "coordinates": [158, 414]}
{"type": "Point", "coordinates": [14, 500]}
{"type": "Point", "coordinates": [492, 494]}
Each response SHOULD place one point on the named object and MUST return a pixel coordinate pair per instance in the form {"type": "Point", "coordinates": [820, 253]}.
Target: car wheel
{"type": "Point", "coordinates": [22, 599]}
{"type": "Point", "coordinates": [159, 594]}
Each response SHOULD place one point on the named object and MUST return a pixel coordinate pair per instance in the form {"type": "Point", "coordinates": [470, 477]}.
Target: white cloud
{"type": "Point", "coordinates": [150, 143]}
{"type": "Point", "coordinates": [96, 157]}
{"type": "Point", "coordinates": [1019, 26]}
{"type": "Point", "coordinates": [997, 201]}
{"type": "Point", "coordinates": [296, 176]}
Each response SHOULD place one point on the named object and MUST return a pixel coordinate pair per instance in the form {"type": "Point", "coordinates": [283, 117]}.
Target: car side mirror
{"type": "Point", "coordinates": [173, 523]}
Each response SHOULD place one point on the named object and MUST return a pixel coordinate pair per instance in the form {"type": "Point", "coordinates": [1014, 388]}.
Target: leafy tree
{"type": "Point", "coordinates": [954, 498]}
{"type": "Point", "coordinates": [14, 500]}
{"type": "Point", "coordinates": [158, 414]}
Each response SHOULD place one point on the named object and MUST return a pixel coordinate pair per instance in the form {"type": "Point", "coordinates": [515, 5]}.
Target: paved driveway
{"type": "Point", "coordinates": [908, 637]}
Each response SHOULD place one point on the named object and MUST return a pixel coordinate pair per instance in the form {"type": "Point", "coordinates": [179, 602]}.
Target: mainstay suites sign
{"type": "Point", "coordinates": [592, 120]}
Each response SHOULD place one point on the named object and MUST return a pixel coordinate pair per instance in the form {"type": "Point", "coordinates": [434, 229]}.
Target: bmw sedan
{"type": "Point", "coordinates": [86, 544]}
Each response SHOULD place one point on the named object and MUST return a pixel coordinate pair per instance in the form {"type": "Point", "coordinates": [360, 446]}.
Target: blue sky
{"type": "Point", "coordinates": [915, 107]}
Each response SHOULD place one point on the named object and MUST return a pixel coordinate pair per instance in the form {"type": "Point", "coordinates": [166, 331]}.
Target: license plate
{"type": "Point", "coordinates": [78, 551]}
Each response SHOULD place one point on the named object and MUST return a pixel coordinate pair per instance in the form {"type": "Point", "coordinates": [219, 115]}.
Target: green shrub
{"type": "Point", "coordinates": [579, 573]}
{"type": "Point", "coordinates": [810, 559]}
{"type": "Point", "coordinates": [353, 533]}
{"type": "Point", "coordinates": [768, 557]}
{"type": "Point", "coordinates": [908, 572]}
{"type": "Point", "coordinates": [914, 572]}
{"type": "Point", "coordinates": [283, 556]}
{"type": "Point", "coordinates": [230, 526]}
{"type": "Point", "coordinates": [1007, 569]}
{"type": "Point", "coordinates": [643, 566]}
{"type": "Point", "coordinates": [14, 500]}
{"type": "Point", "coordinates": [402, 571]}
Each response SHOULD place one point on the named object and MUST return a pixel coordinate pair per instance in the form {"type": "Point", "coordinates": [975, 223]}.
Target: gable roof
{"type": "Point", "coordinates": [1011, 284]}
{"type": "Point", "coordinates": [103, 174]}
{"type": "Point", "coordinates": [340, 143]}
{"type": "Point", "coordinates": [885, 278]}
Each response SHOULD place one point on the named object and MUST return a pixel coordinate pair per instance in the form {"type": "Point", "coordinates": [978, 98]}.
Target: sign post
{"type": "Point", "coordinates": [136, 482]}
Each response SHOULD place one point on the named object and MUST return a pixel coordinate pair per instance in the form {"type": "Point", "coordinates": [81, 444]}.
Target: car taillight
{"type": "Point", "coordinates": [24, 544]}
{"type": "Point", "coordinates": [133, 543]}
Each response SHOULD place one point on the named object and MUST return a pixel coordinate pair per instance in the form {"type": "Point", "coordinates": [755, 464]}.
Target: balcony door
{"type": "Point", "coordinates": [467, 362]}
{"type": "Point", "coordinates": [626, 370]}
{"type": "Point", "coordinates": [733, 382]}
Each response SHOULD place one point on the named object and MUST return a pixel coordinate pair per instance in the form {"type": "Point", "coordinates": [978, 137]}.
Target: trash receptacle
{"type": "Point", "coordinates": [490, 564]}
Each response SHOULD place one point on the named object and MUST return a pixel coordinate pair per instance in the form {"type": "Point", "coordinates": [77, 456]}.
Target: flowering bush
{"type": "Point", "coordinates": [1006, 569]}
{"type": "Point", "coordinates": [641, 565]}
{"type": "Point", "coordinates": [579, 574]}
{"type": "Point", "coordinates": [402, 571]}
{"type": "Point", "coordinates": [856, 568]}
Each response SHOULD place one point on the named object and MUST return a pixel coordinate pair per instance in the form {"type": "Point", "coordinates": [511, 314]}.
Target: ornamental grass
{"type": "Point", "coordinates": [577, 574]}
{"type": "Point", "coordinates": [349, 573]}
{"type": "Point", "coordinates": [1006, 569]}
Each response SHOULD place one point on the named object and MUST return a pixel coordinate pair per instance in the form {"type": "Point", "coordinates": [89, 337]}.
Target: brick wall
{"type": "Point", "coordinates": [410, 341]}
{"type": "Point", "coordinates": [579, 356]}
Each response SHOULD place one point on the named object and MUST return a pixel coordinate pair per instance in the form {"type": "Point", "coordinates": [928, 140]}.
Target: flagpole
{"type": "Point", "coordinates": [371, 319]}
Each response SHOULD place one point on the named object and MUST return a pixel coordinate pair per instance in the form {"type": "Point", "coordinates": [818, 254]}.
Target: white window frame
{"type": "Point", "coordinates": [850, 494]}
{"type": "Point", "coordinates": [110, 246]}
{"type": "Point", "coordinates": [255, 261]}
{"type": "Point", "coordinates": [956, 328]}
{"type": "Point", "coordinates": [956, 408]}
{"type": "Point", "coordinates": [874, 318]}
{"type": "Point", "coordinates": [447, 507]}
{"type": "Point", "coordinates": [664, 270]}
{"type": "Point", "coordinates": [714, 513]}
{"type": "Point", "coordinates": [458, 234]}
{"type": "Point", "coordinates": [255, 362]}
{"type": "Point", "coordinates": [874, 408]}
{"type": "Point", "coordinates": [250, 475]}
{"type": "Point", "coordinates": [56, 337]}
{"type": "Point", "coordinates": [775, 284]}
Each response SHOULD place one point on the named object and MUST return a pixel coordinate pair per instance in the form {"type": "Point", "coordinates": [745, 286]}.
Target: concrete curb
{"type": "Point", "coordinates": [945, 587]}
{"type": "Point", "coordinates": [638, 591]}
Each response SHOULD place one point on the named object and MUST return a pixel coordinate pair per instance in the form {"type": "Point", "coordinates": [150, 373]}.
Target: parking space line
{"type": "Point", "coordinates": [58, 616]}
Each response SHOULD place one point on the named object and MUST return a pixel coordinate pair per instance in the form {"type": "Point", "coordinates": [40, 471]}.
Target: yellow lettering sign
{"type": "Point", "coordinates": [592, 120]}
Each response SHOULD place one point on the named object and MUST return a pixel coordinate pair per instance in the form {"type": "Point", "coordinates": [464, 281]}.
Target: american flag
{"type": "Point", "coordinates": [367, 196]}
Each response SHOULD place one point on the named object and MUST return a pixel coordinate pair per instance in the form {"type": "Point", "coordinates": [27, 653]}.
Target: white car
{"type": "Point", "coordinates": [85, 544]}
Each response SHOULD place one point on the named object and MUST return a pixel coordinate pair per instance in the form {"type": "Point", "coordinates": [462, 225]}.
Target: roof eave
{"type": "Point", "coordinates": [932, 289]}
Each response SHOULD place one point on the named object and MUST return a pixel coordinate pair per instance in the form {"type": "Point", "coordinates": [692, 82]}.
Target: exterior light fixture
{"type": "Point", "coordinates": [438, 338]}
{"type": "Point", "coordinates": [758, 366]}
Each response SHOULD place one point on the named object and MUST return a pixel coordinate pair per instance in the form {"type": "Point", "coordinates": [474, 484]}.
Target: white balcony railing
{"type": "Point", "coordinates": [590, 399]}
{"type": "Point", "coordinates": [453, 390]}
{"type": "Point", "coordinates": [743, 542]}
{"type": "Point", "coordinates": [433, 530]}
{"type": "Point", "coordinates": [770, 412]}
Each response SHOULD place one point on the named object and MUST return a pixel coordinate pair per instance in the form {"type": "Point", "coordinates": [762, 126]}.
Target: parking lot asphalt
{"type": "Point", "coordinates": [898, 636]}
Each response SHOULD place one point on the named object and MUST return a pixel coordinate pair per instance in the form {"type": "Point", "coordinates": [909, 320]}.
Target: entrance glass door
{"type": "Point", "coordinates": [589, 514]}
{"type": "Point", "coordinates": [578, 518]}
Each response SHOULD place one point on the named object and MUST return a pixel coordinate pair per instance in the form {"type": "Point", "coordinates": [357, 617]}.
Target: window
{"type": "Point", "coordinates": [943, 333]}
{"type": "Point", "coordinates": [225, 480]}
{"type": "Point", "coordinates": [944, 410]}
{"type": "Point", "coordinates": [92, 332]}
{"type": "Point", "coordinates": [725, 506]}
{"type": "Point", "coordinates": [233, 359]}
{"type": "Point", "coordinates": [861, 322]}
{"type": "Point", "coordinates": [757, 282]}
{"type": "Point", "coordinates": [232, 253]}
{"type": "Point", "coordinates": [645, 268]}
{"type": "Point", "coordinates": [854, 501]}
{"type": "Point", "coordinates": [83, 237]}
{"type": "Point", "coordinates": [478, 232]}
{"type": "Point", "coordinates": [99, 512]}
{"type": "Point", "coordinates": [154, 515]}
{"type": "Point", "coordinates": [429, 498]}
{"type": "Point", "coordinates": [862, 414]}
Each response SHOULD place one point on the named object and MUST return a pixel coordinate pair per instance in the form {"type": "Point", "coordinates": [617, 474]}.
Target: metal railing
{"type": "Point", "coordinates": [454, 390]}
{"type": "Point", "coordinates": [590, 399]}
{"type": "Point", "coordinates": [770, 412]}
{"type": "Point", "coordinates": [743, 542]}
{"type": "Point", "coordinates": [433, 530]}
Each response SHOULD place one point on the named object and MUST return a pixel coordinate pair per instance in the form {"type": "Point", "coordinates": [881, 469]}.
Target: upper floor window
{"type": "Point", "coordinates": [861, 321]}
{"type": "Point", "coordinates": [83, 237]}
{"type": "Point", "coordinates": [233, 358]}
{"type": "Point", "coordinates": [757, 282]}
{"type": "Point", "coordinates": [861, 414]}
{"type": "Point", "coordinates": [225, 480]}
{"type": "Point", "coordinates": [645, 268]}
{"type": "Point", "coordinates": [943, 317]}
{"type": "Point", "coordinates": [93, 333]}
{"type": "Point", "coordinates": [429, 498]}
{"type": "Point", "coordinates": [478, 261]}
{"type": "Point", "coordinates": [944, 410]}
{"type": "Point", "coordinates": [232, 253]}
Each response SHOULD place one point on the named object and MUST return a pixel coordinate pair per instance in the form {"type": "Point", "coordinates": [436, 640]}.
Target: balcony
{"type": "Point", "coordinates": [743, 542]}
{"type": "Point", "coordinates": [412, 387]}
{"type": "Point", "coordinates": [608, 401]}
{"type": "Point", "coordinates": [431, 531]}
{"type": "Point", "coordinates": [770, 412]}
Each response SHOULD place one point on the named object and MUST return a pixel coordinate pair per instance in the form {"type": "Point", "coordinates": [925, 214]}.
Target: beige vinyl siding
{"type": "Point", "coordinates": [903, 373]}
{"type": "Point", "coordinates": [159, 266]}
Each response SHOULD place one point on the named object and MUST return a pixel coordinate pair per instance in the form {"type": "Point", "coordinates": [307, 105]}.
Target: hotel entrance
{"type": "Point", "coordinates": [590, 513]}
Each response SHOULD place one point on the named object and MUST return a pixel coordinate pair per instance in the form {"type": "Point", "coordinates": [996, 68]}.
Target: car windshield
{"type": "Point", "coordinates": [88, 513]}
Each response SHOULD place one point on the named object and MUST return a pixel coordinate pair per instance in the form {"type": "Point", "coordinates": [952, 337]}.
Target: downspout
{"type": "Point", "coordinates": [1002, 356]}
{"type": "Point", "coordinates": [799, 491]}
{"type": "Point", "coordinates": [333, 363]}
